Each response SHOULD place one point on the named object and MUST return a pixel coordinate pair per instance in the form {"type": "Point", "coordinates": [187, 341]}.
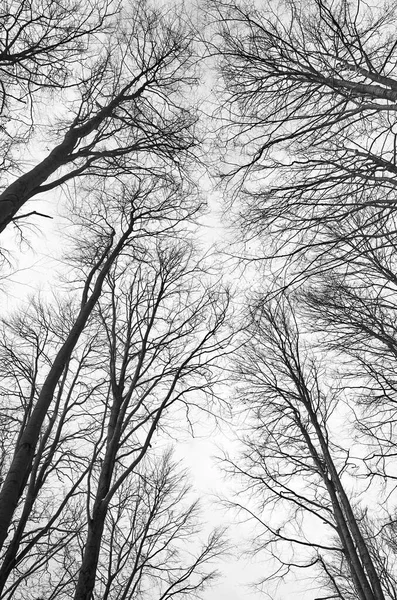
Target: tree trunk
{"type": "Point", "coordinates": [18, 472]}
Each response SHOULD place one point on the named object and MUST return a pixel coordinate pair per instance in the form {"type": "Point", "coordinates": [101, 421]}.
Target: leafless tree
{"type": "Point", "coordinates": [309, 97]}
{"type": "Point", "coordinates": [126, 352]}
{"type": "Point", "coordinates": [356, 306]}
{"type": "Point", "coordinates": [155, 552]}
{"type": "Point", "coordinates": [147, 548]}
{"type": "Point", "coordinates": [91, 388]}
{"type": "Point", "coordinates": [117, 74]}
{"type": "Point", "coordinates": [297, 464]}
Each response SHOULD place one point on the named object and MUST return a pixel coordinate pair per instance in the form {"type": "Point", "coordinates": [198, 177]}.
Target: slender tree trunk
{"type": "Point", "coordinates": [357, 571]}
{"type": "Point", "coordinates": [88, 569]}
{"type": "Point", "coordinates": [347, 512]}
{"type": "Point", "coordinates": [18, 472]}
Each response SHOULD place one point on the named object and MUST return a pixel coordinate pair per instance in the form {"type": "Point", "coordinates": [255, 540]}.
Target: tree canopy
{"type": "Point", "coordinates": [141, 121]}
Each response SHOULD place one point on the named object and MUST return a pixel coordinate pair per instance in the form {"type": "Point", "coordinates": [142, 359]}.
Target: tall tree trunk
{"type": "Point", "coordinates": [18, 472]}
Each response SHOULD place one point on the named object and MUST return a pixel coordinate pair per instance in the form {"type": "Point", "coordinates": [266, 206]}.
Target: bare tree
{"type": "Point", "coordinates": [155, 552]}
{"type": "Point", "coordinates": [297, 467]}
{"type": "Point", "coordinates": [127, 350]}
{"type": "Point", "coordinates": [18, 472]}
{"type": "Point", "coordinates": [122, 101]}
{"type": "Point", "coordinates": [311, 91]}
{"type": "Point", "coordinates": [357, 308]}
{"type": "Point", "coordinates": [147, 548]}
{"type": "Point", "coordinates": [96, 384]}
{"type": "Point", "coordinates": [309, 96]}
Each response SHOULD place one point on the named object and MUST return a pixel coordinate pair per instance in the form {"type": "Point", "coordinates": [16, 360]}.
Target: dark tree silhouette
{"type": "Point", "coordinates": [119, 78]}
{"type": "Point", "coordinates": [310, 94]}
{"type": "Point", "coordinates": [90, 389]}
{"type": "Point", "coordinates": [296, 466]}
